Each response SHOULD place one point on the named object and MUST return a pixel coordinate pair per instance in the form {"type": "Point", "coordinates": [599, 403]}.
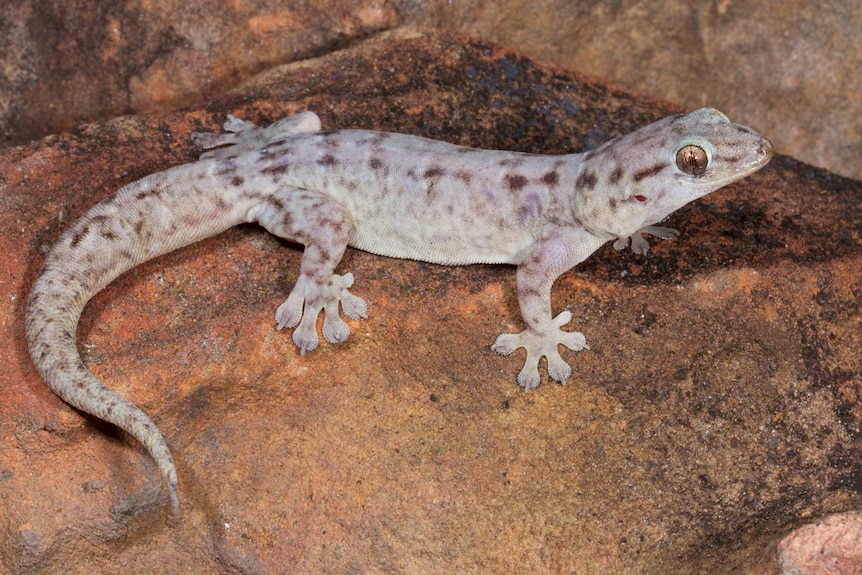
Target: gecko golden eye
{"type": "Point", "coordinates": [692, 160]}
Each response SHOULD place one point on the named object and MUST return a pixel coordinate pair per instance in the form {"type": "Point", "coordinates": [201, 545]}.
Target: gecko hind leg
{"type": "Point", "coordinates": [241, 136]}
{"type": "Point", "coordinates": [323, 226]}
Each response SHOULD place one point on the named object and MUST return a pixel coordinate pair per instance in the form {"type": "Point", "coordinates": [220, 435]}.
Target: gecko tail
{"type": "Point", "coordinates": [142, 220]}
{"type": "Point", "coordinates": [51, 339]}
{"type": "Point", "coordinates": [68, 280]}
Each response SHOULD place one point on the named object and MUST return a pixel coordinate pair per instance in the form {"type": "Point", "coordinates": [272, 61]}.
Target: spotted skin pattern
{"type": "Point", "coordinates": [390, 194]}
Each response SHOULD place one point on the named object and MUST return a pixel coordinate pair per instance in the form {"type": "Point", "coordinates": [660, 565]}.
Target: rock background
{"type": "Point", "coordinates": [790, 69]}
{"type": "Point", "coordinates": [718, 410]}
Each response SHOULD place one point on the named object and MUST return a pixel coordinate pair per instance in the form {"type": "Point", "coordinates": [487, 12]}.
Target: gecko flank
{"type": "Point", "coordinates": [390, 194]}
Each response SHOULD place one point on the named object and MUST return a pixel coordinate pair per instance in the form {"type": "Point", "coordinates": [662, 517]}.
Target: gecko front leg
{"type": "Point", "coordinates": [559, 252]}
{"type": "Point", "coordinates": [323, 226]}
{"type": "Point", "coordinates": [639, 243]}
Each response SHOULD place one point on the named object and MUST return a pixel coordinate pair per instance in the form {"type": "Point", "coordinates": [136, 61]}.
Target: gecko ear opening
{"type": "Point", "coordinates": [692, 160]}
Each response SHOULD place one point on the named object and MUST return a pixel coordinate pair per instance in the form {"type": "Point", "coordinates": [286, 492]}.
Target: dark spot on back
{"type": "Point", "coordinates": [434, 172]}
{"type": "Point", "coordinates": [151, 193]}
{"type": "Point", "coordinates": [237, 181]}
{"type": "Point", "coordinates": [515, 182]}
{"type": "Point", "coordinates": [276, 203]}
{"type": "Point", "coordinates": [330, 139]}
{"type": "Point", "coordinates": [327, 160]}
{"type": "Point", "coordinates": [251, 195]}
{"type": "Point", "coordinates": [551, 178]}
{"type": "Point", "coordinates": [587, 180]}
{"type": "Point", "coordinates": [375, 163]}
{"type": "Point", "coordinates": [464, 176]}
{"type": "Point", "coordinates": [76, 238]}
{"type": "Point", "coordinates": [275, 169]}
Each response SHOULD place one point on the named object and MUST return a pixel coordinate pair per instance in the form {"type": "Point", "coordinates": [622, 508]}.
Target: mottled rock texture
{"type": "Point", "coordinates": [790, 69]}
{"type": "Point", "coordinates": [719, 408]}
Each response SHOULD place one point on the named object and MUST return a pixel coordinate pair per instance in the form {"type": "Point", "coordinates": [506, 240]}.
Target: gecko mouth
{"type": "Point", "coordinates": [766, 148]}
{"type": "Point", "coordinates": [760, 155]}
{"type": "Point", "coordinates": [764, 154]}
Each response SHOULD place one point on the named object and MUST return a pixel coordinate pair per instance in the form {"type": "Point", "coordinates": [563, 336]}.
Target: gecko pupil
{"type": "Point", "coordinates": [692, 160]}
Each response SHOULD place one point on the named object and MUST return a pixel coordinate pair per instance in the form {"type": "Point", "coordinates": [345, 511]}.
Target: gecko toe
{"type": "Point", "coordinates": [334, 328]}
{"type": "Point", "coordinates": [506, 343]}
{"type": "Point", "coordinates": [354, 307]}
{"type": "Point", "coordinates": [574, 340]}
{"type": "Point", "coordinates": [558, 369]}
{"type": "Point", "coordinates": [287, 316]}
{"type": "Point", "coordinates": [305, 336]}
{"type": "Point", "coordinates": [529, 378]}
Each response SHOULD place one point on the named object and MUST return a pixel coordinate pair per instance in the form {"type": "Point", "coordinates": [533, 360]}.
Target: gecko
{"type": "Point", "coordinates": [390, 194]}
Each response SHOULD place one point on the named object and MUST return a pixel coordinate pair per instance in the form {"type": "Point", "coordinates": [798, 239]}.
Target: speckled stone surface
{"type": "Point", "coordinates": [719, 408]}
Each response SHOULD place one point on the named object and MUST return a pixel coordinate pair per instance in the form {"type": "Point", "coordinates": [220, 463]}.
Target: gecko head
{"type": "Point", "coordinates": [643, 177]}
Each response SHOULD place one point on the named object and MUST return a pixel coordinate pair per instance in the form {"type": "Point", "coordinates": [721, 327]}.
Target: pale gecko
{"type": "Point", "coordinates": [391, 194]}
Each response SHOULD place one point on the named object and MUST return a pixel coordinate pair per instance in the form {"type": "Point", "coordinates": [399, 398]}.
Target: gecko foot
{"type": "Point", "coordinates": [639, 244]}
{"type": "Point", "coordinates": [540, 344]}
{"type": "Point", "coordinates": [242, 136]}
{"type": "Point", "coordinates": [305, 303]}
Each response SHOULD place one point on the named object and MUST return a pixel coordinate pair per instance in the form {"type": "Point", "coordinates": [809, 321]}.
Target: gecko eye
{"type": "Point", "coordinates": [692, 159]}
{"type": "Point", "coordinates": [639, 198]}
